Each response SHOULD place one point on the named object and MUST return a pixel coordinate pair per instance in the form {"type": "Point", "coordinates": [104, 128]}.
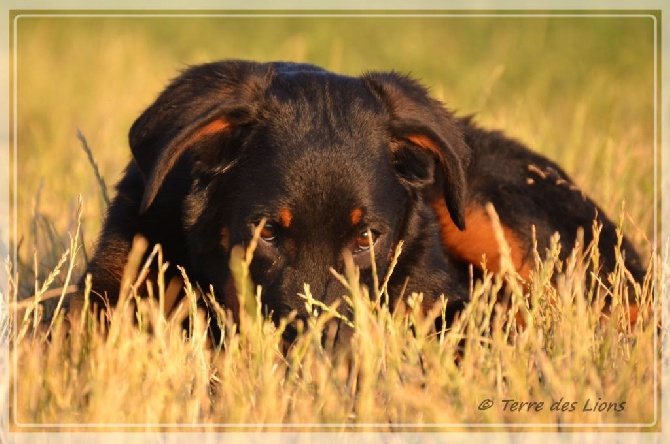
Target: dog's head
{"type": "Point", "coordinates": [330, 163]}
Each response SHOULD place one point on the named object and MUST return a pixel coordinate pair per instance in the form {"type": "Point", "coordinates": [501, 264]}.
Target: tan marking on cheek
{"type": "Point", "coordinates": [356, 216]}
{"type": "Point", "coordinates": [478, 239]}
{"type": "Point", "coordinates": [285, 217]}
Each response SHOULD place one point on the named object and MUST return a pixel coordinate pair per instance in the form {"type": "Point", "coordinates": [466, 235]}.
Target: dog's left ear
{"type": "Point", "coordinates": [427, 138]}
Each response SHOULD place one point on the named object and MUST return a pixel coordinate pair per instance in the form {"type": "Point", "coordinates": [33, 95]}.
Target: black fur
{"type": "Point", "coordinates": [230, 143]}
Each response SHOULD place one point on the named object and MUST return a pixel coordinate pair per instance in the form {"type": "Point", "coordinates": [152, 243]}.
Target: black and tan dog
{"type": "Point", "coordinates": [332, 164]}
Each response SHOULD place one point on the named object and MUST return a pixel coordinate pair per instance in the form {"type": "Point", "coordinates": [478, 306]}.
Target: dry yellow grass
{"type": "Point", "coordinates": [144, 372]}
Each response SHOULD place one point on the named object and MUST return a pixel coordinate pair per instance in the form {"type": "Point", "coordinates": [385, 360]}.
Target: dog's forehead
{"type": "Point", "coordinates": [310, 81]}
{"type": "Point", "coordinates": [318, 113]}
{"type": "Point", "coordinates": [325, 129]}
{"type": "Point", "coordinates": [320, 182]}
{"type": "Point", "coordinates": [317, 98]}
{"type": "Point", "coordinates": [321, 149]}
{"type": "Point", "coordinates": [315, 172]}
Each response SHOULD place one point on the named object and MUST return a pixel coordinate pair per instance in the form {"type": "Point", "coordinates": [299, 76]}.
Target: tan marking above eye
{"type": "Point", "coordinates": [285, 217]}
{"type": "Point", "coordinates": [356, 216]}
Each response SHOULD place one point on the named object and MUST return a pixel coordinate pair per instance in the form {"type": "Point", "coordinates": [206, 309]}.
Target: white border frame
{"type": "Point", "coordinates": [368, 5]}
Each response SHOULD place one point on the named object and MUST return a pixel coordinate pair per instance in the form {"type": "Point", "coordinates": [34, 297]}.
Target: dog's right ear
{"type": "Point", "coordinates": [200, 107]}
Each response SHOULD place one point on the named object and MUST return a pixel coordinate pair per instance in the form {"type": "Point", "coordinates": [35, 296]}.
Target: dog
{"type": "Point", "coordinates": [326, 166]}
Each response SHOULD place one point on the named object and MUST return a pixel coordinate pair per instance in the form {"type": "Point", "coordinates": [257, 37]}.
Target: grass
{"type": "Point", "coordinates": [580, 90]}
{"type": "Point", "coordinates": [399, 373]}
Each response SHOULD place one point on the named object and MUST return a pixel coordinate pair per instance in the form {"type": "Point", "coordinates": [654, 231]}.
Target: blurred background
{"type": "Point", "coordinates": [578, 89]}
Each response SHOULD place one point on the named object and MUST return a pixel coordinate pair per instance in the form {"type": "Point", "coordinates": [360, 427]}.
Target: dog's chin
{"type": "Point", "coordinates": [336, 335]}
{"type": "Point", "coordinates": [290, 333]}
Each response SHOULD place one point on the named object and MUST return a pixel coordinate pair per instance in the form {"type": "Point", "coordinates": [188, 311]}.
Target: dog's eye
{"type": "Point", "coordinates": [269, 232]}
{"type": "Point", "coordinates": [366, 239]}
